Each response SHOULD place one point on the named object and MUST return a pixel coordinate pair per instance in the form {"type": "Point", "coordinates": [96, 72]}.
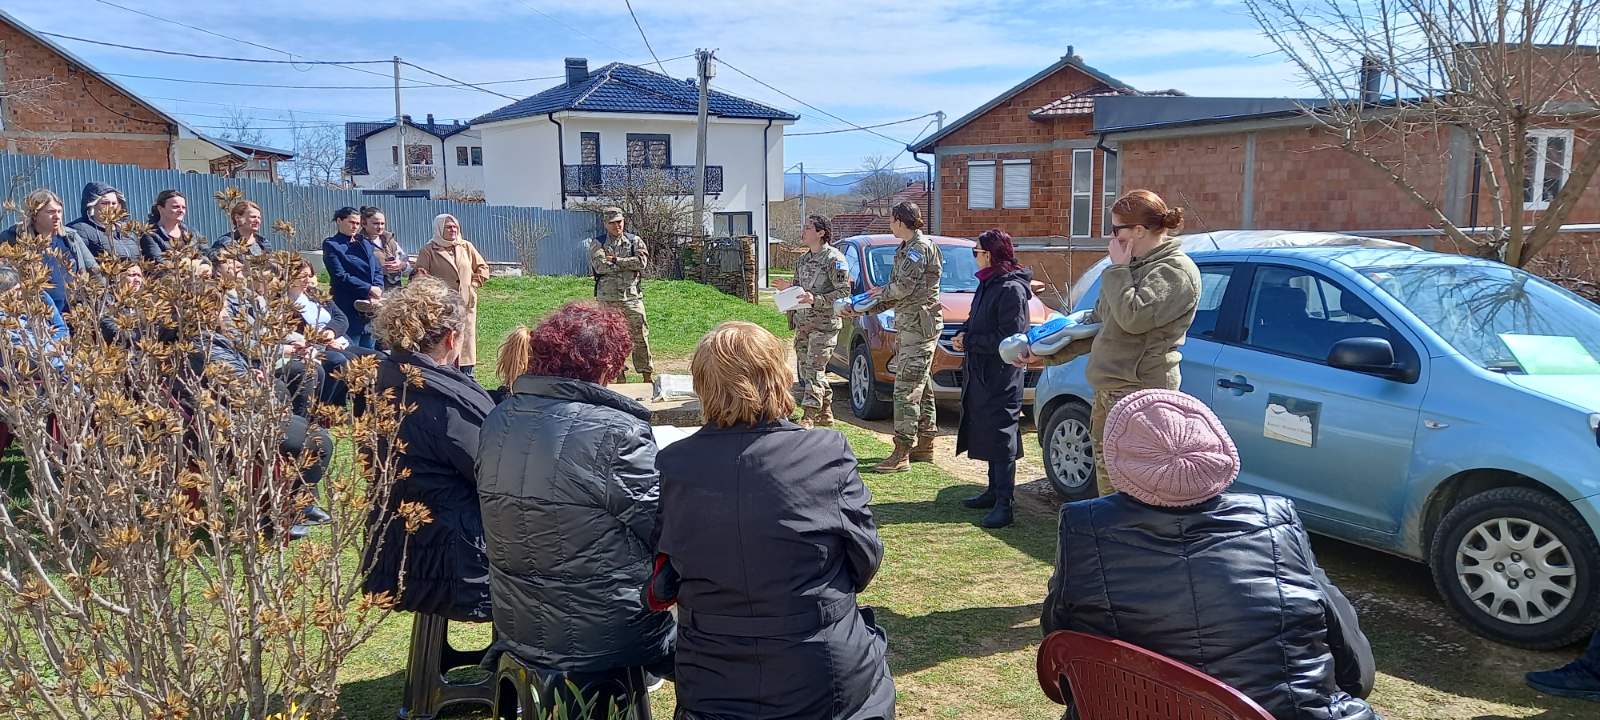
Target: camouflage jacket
{"type": "Point", "coordinates": [618, 266]}
{"type": "Point", "coordinates": [913, 288]}
{"type": "Point", "coordinates": [822, 273]}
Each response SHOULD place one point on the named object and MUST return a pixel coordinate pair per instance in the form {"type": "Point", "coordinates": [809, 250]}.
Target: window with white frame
{"type": "Point", "coordinates": [1108, 191]}
{"type": "Point", "coordinates": [980, 185]}
{"type": "Point", "coordinates": [1016, 183]}
{"type": "Point", "coordinates": [1548, 163]}
{"type": "Point", "coordinates": [1082, 218]}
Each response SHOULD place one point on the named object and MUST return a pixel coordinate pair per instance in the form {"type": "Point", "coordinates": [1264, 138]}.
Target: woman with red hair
{"type": "Point", "coordinates": [567, 481]}
{"type": "Point", "coordinates": [991, 389]}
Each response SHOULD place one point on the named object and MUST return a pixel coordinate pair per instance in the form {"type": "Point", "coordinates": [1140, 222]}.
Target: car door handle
{"type": "Point", "coordinates": [1239, 385]}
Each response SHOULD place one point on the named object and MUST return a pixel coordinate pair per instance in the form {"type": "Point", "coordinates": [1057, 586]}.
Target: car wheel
{"type": "Point", "coordinates": [864, 400]}
{"type": "Point", "coordinates": [1069, 452]}
{"type": "Point", "coordinates": [1520, 566]}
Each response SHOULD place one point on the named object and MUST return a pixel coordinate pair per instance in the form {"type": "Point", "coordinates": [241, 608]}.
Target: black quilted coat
{"type": "Point", "coordinates": [1229, 586]}
{"type": "Point", "coordinates": [568, 485]}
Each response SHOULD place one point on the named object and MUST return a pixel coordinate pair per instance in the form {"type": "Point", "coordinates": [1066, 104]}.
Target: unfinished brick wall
{"type": "Point", "coordinates": [80, 116]}
{"type": "Point", "coordinates": [1203, 174]}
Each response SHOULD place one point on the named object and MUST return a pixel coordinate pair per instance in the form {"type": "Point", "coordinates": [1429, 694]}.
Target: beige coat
{"type": "Point", "coordinates": [451, 265]}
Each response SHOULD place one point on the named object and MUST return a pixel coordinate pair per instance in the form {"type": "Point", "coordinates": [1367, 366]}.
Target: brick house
{"type": "Point", "coordinates": [1028, 161]}
{"type": "Point", "coordinates": [52, 102]}
{"type": "Point", "coordinates": [1262, 163]}
{"type": "Point", "coordinates": [873, 217]}
{"type": "Point", "coordinates": [257, 162]}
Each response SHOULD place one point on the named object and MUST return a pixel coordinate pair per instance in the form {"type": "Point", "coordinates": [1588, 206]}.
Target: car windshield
{"type": "Point", "coordinates": [960, 267]}
{"type": "Point", "coordinates": [1499, 317]}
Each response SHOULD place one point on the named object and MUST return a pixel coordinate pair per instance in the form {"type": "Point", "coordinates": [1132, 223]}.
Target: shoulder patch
{"type": "Point", "coordinates": [914, 256]}
{"type": "Point", "coordinates": [839, 265]}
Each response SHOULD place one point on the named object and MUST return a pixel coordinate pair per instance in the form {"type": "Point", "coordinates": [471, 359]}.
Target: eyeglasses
{"type": "Point", "coordinates": [975, 251]}
{"type": "Point", "coordinates": [1119, 228]}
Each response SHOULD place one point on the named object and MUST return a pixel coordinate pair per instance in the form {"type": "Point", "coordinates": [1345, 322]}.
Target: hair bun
{"type": "Point", "coordinates": [1172, 219]}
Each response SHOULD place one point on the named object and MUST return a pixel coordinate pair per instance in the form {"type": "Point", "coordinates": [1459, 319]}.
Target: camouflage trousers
{"type": "Point", "coordinates": [638, 330]}
{"type": "Point", "coordinates": [1103, 402]}
{"type": "Point", "coordinates": [913, 388]}
{"type": "Point", "coordinates": [813, 346]}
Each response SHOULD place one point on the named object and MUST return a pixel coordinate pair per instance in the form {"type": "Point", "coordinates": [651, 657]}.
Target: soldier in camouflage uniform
{"type": "Point", "coordinates": [618, 260]}
{"type": "Point", "coordinates": [913, 291]}
{"type": "Point", "coordinates": [821, 274]}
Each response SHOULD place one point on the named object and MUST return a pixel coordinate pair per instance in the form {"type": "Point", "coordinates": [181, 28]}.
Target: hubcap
{"type": "Point", "coordinates": [1072, 453]}
{"type": "Point", "coordinates": [1516, 571]}
{"type": "Point", "coordinates": [860, 381]}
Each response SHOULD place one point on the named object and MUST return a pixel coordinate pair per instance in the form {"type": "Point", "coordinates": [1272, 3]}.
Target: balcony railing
{"type": "Point", "coordinates": [596, 180]}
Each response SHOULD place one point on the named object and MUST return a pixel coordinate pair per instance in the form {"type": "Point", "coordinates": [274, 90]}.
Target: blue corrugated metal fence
{"type": "Point", "coordinates": [490, 227]}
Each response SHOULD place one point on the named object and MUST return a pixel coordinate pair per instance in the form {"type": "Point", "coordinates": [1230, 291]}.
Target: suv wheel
{"type": "Point", "coordinates": [864, 400]}
{"type": "Point", "coordinates": [1069, 452]}
{"type": "Point", "coordinates": [1520, 566]}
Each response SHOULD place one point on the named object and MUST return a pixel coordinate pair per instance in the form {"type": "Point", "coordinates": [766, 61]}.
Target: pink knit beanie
{"type": "Point", "coordinates": [1166, 448]}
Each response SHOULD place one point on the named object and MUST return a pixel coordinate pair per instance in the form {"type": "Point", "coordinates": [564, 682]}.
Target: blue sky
{"type": "Point", "coordinates": [868, 62]}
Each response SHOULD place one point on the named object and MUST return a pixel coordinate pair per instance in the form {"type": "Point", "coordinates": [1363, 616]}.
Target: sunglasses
{"type": "Point", "coordinates": [1119, 228]}
{"type": "Point", "coordinates": [975, 251]}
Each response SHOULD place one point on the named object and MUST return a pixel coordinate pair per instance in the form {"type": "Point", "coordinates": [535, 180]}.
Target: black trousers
{"type": "Point", "coordinates": [1003, 478]}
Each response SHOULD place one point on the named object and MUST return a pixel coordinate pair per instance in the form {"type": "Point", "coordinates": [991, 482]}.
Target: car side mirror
{"type": "Point", "coordinates": [1370, 355]}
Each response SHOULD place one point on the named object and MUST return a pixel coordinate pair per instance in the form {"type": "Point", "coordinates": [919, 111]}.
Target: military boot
{"type": "Point", "coordinates": [899, 461]}
{"type": "Point", "coordinates": [808, 418]}
{"type": "Point", "coordinates": [923, 452]}
{"type": "Point", "coordinates": [646, 377]}
{"type": "Point", "coordinates": [824, 417]}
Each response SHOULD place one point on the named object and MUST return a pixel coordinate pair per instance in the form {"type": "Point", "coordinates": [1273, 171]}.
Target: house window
{"type": "Point", "coordinates": [1016, 183]}
{"type": "Point", "coordinates": [1108, 191]}
{"type": "Point", "coordinates": [648, 150]}
{"type": "Point", "coordinates": [419, 154]}
{"type": "Point", "coordinates": [394, 154]}
{"type": "Point", "coordinates": [731, 224]}
{"type": "Point", "coordinates": [461, 155]}
{"type": "Point", "coordinates": [477, 155]}
{"type": "Point", "coordinates": [589, 148]}
{"type": "Point", "coordinates": [980, 185]}
{"type": "Point", "coordinates": [1549, 162]}
{"type": "Point", "coordinates": [1082, 218]}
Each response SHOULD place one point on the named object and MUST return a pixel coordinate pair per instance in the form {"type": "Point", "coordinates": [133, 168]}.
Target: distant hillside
{"type": "Point", "coordinates": [831, 184]}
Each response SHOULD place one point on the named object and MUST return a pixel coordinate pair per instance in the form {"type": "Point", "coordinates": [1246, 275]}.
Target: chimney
{"type": "Point", "coordinates": [1371, 80]}
{"type": "Point", "coordinates": [577, 71]}
{"type": "Point", "coordinates": [406, 118]}
{"type": "Point", "coordinates": [430, 118]}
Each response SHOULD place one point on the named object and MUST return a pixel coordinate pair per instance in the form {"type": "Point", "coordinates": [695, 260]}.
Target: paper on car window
{"type": "Point", "coordinates": [788, 298]}
{"type": "Point", "coordinates": [1551, 354]}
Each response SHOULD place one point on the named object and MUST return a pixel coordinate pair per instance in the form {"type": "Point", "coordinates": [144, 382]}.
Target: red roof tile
{"type": "Point", "coordinates": [859, 223]}
{"type": "Point", "coordinates": [1082, 102]}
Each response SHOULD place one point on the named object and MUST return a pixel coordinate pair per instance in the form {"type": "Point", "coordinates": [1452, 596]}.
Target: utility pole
{"type": "Point", "coordinates": [803, 214]}
{"type": "Point", "coordinates": [705, 73]}
{"type": "Point", "coordinates": [400, 124]}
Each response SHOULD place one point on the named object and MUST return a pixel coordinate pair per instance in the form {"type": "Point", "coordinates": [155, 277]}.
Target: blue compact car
{"type": "Point", "coordinates": [1438, 407]}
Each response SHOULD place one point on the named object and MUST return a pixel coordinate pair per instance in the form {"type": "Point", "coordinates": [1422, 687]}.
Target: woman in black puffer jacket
{"type": "Point", "coordinates": [1224, 582]}
{"type": "Point", "coordinates": [446, 572]}
{"type": "Point", "coordinates": [567, 480]}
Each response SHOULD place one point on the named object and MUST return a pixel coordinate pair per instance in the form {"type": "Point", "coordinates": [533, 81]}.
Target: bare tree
{"type": "Point", "coordinates": [319, 156]}
{"type": "Point", "coordinates": [22, 98]}
{"type": "Point", "coordinates": [659, 208]}
{"type": "Point", "coordinates": [1513, 83]}
{"type": "Point", "coordinates": [881, 180]}
{"type": "Point", "coordinates": [241, 126]}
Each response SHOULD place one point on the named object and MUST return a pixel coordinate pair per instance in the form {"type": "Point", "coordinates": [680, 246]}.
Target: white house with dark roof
{"type": "Point", "coordinates": [602, 128]}
{"type": "Point", "coordinates": [446, 159]}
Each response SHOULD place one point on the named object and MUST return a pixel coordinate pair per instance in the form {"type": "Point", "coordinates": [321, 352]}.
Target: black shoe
{"type": "Point", "coordinates": [1000, 516]}
{"type": "Point", "coordinates": [980, 501]}
{"type": "Point", "coordinates": [317, 516]}
{"type": "Point", "coordinates": [1570, 681]}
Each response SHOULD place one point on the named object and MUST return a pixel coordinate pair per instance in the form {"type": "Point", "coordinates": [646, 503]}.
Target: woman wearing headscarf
{"type": "Point", "coordinates": [452, 259]}
{"type": "Point", "coordinates": [991, 389]}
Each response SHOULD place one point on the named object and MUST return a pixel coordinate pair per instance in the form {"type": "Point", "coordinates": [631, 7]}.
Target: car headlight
{"type": "Point", "coordinates": [886, 319]}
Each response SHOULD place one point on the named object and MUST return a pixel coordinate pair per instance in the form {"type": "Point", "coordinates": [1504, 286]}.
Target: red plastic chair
{"type": "Point", "coordinates": [1113, 680]}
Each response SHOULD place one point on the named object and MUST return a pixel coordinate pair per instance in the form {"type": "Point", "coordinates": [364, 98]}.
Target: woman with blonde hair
{"type": "Point", "coordinates": [766, 538]}
{"type": "Point", "coordinates": [245, 238]}
{"type": "Point", "coordinates": [1148, 298]}
{"type": "Point", "coordinates": [451, 258]}
{"type": "Point", "coordinates": [42, 214]}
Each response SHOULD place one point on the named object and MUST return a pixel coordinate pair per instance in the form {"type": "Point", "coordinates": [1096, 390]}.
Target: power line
{"type": "Point", "coordinates": [465, 84]}
{"type": "Point", "coordinates": [866, 127]}
{"type": "Point", "coordinates": [644, 37]}
{"type": "Point", "coordinates": [762, 83]}
{"type": "Point", "coordinates": [563, 23]}
{"type": "Point", "coordinates": [278, 110]}
{"type": "Point", "coordinates": [213, 57]}
{"type": "Point", "coordinates": [322, 87]}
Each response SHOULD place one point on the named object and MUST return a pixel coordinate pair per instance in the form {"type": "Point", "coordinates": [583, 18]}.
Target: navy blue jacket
{"type": "Point", "coordinates": [101, 240]}
{"type": "Point", "coordinates": [80, 260]}
{"type": "Point", "coordinates": [353, 270]}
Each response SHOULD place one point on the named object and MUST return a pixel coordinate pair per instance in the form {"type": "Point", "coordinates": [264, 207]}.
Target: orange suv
{"type": "Point", "coordinates": [867, 344]}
